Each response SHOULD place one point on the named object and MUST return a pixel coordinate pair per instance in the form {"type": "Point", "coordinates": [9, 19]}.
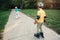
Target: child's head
{"type": "Point", "coordinates": [40, 5]}
{"type": "Point", "coordinates": [15, 6]}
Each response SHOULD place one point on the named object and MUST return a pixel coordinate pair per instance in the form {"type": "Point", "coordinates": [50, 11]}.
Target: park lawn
{"type": "Point", "coordinates": [3, 19]}
{"type": "Point", "coordinates": [53, 17]}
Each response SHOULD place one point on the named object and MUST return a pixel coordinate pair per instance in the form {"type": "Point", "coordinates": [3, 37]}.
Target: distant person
{"type": "Point", "coordinates": [40, 19]}
{"type": "Point", "coordinates": [17, 12]}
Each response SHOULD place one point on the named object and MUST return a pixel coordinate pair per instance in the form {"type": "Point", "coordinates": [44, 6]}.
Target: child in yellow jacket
{"type": "Point", "coordinates": [40, 19]}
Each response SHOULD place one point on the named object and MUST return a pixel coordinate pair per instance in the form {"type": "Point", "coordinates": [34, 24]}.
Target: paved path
{"type": "Point", "coordinates": [23, 29]}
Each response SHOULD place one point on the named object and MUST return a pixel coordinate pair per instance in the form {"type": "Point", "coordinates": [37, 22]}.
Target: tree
{"type": "Point", "coordinates": [4, 4]}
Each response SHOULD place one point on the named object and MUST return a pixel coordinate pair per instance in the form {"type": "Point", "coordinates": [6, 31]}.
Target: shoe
{"type": "Point", "coordinates": [37, 35]}
{"type": "Point", "coordinates": [41, 33]}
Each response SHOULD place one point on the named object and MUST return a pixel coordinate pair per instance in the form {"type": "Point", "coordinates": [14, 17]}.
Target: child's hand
{"type": "Point", "coordinates": [35, 22]}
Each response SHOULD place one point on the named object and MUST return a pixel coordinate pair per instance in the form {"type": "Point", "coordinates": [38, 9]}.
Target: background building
{"type": "Point", "coordinates": [51, 3]}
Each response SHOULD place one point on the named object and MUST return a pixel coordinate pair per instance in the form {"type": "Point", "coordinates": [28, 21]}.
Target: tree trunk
{"type": "Point", "coordinates": [21, 4]}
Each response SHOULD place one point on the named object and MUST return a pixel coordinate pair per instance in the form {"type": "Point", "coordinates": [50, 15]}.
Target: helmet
{"type": "Point", "coordinates": [40, 4]}
{"type": "Point", "coordinates": [15, 6]}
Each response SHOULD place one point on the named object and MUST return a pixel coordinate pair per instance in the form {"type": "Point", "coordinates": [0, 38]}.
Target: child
{"type": "Point", "coordinates": [17, 12]}
{"type": "Point", "coordinates": [40, 19]}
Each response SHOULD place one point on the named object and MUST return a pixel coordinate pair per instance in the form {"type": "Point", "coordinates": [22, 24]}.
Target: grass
{"type": "Point", "coordinates": [53, 17]}
{"type": "Point", "coordinates": [3, 19]}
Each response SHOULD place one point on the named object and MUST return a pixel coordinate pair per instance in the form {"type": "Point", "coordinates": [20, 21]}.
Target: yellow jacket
{"type": "Point", "coordinates": [41, 13]}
